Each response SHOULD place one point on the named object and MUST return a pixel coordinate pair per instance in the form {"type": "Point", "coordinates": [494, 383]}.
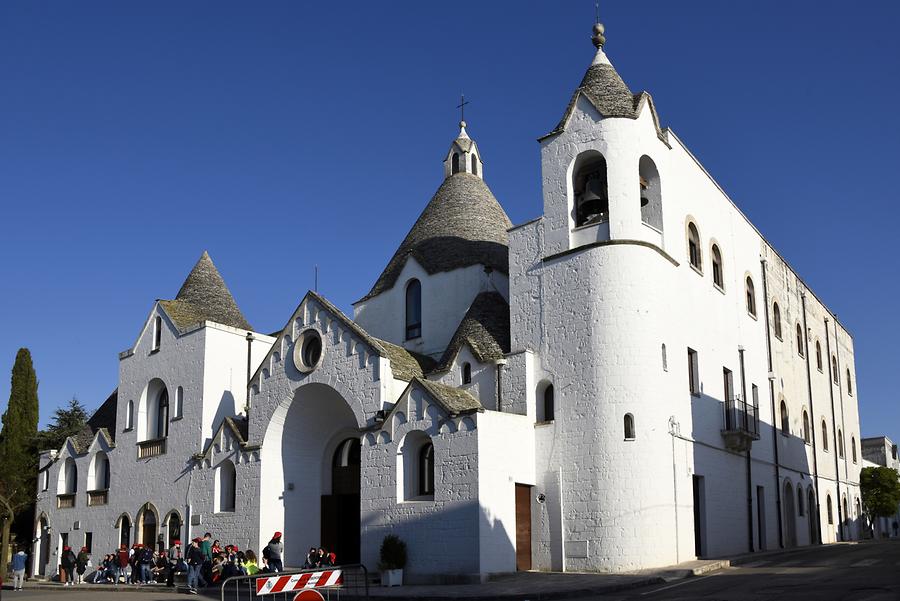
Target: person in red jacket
{"type": "Point", "coordinates": [121, 561]}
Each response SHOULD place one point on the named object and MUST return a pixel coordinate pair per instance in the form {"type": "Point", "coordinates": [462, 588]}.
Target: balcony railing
{"type": "Point", "coordinates": [151, 448]}
{"type": "Point", "coordinates": [98, 497]}
{"type": "Point", "coordinates": [741, 424]}
{"type": "Point", "coordinates": [65, 501]}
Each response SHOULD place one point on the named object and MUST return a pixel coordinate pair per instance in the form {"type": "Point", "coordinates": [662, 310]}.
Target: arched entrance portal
{"type": "Point", "coordinates": [124, 526]}
{"type": "Point", "coordinates": [42, 547]}
{"type": "Point", "coordinates": [340, 509]}
{"type": "Point", "coordinates": [146, 525]}
{"type": "Point", "coordinates": [789, 509]}
{"type": "Point", "coordinates": [310, 474]}
{"type": "Point", "coordinates": [813, 517]}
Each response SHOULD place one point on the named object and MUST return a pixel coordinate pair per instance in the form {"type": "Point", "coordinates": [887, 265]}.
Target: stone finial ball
{"type": "Point", "coordinates": [599, 29]}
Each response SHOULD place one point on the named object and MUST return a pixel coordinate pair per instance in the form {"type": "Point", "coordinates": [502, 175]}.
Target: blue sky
{"type": "Point", "coordinates": [279, 135]}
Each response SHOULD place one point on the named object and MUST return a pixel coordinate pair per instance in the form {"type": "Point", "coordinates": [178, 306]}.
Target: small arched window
{"type": "Point", "coordinates": [853, 448]}
{"type": "Point", "coordinates": [800, 340]}
{"type": "Point", "coordinates": [226, 485]}
{"type": "Point", "coordinates": [474, 164]}
{"type": "Point", "coordinates": [785, 421]}
{"type": "Point", "coordinates": [629, 426]}
{"type": "Point", "coordinates": [849, 383]}
{"type": "Point", "coordinates": [549, 407]}
{"type": "Point", "coordinates": [179, 403]}
{"type": "Point", "coordinates": [829, 510]}
{"type": "Point", "coordinates": [834, 371]}
{"type": "Point", "coordinates": [776, 320]}
{"type": "Point", "coordinates": [800, 509]}
{"type": "Point", "coordinates": [426, 469]}
{"type": "Point", "coordinates": [162, 414]}
{"type": "Point", "coordinates": [824, 435]}
{"type": "Point", "coordinates": [173, 525]}
{"type": "Point", "coordinates": [98, 478]}
{"type": "Point", "coordinates": [157, 332]}
{"type": "Point", "coordinates": [467, 373]}
{"type": "Point", "coordinates": [651, 193]}
{"type": "Point", "coordinates": [840, 444]}
{"type": "Point", "coordinates": [694, 247]}
{"type": "Point", "coordinates": [454, 163]}
{"type": "Point", "coordinates": [751, 297]}
{"type": "Point", "coordinates": [718, 273]}
{"type": "Point", "coordinates": [413, 310]}
{"type": "Point", "coordinates": [806, 433]}
{"type": "Point", "coordinates": [665, 360]}
{"type": "Point", "coordinates": [129, 415]}
{"type": "Point", "coordinates": [818, 355]}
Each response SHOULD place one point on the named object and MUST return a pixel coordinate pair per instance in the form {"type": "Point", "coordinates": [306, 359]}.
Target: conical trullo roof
{"type": "Point", "coordinates": [462, 225]}
{"type": "Point", "coordinates": [204, 296]}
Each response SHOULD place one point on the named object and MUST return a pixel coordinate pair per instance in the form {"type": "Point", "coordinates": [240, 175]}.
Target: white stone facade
{"type": "Point", "coordinates": [605, 312]}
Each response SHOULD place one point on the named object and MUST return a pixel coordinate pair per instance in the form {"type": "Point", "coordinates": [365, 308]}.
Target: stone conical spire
{"type": "Point", "coordinates": [205, 293]}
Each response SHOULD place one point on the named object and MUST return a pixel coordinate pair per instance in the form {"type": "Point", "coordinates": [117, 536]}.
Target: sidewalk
{"type": "Point", "coordinates": [520, 586]}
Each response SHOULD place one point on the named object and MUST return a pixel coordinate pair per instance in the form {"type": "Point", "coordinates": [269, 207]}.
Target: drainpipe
{"type": "Point", "coordinates": [249, 372]}
{"type": "Point", "coordinates": [837, 468]}
{"type": "Point", "coordinates": [812, 412]}
{"type": "Point", "coordinates": [837, 354]}
{"type": "Point", "coordinates": [500, 363]}
{"type": "Point", "coordinates": [749, 476]}
{"type": "Point", "coordinates": [772, 400]}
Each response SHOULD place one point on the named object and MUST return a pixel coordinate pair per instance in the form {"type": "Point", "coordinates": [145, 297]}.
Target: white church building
{"type": "Point", "coordinates": [633, 379]}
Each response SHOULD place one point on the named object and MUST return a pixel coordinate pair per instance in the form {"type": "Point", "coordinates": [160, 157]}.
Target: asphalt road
{"type": "Point", "coordinates": [864, 572]}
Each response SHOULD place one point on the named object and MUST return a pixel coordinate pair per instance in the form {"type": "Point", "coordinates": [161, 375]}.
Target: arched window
{"type": "Point", "coordinates": [785, 422]}
{"type": "Point", "coordinates": [98, 473]}
{"type": "Point", "coordinates": [474, 164]}
{"type": "Point", "coordinates": [829, 510]}
{"type": "Point", "coordinates": [467, 373]}
{"type": "Point", "coordinates": [834, 371]}
{"type": "Point", "coordinates": [849, 383]}
{"type": "Point", "coordinates": [157, 332]}
{"type": "Point", "coordinates": [124, 527]}
{"type": "Point", "coordinates": [806, 433]}
{"type": "Point", "coordinates": [818, 355]}
{"type": "Point", "coordinates": [694, 247]}
{"type": "Point", "coordinates": [858, 507]}
{"type": "Point", "coordinates": [751, 297]}
{"type": "Point", "coordinates": [853, 448]}
{"type": "Point", "coordinates": [226, 481]}
{"type": "Point", "coordinates": [426, 470]}
{"type": "Point", "coordinates": [162, 415]}
{"type": "Point", "coordinates": [629, 426]}
{"type": "Point", "coordinates": [651, 194]}
{"type": "Point", "coordinates": [548, 403]}
{"type": "Point", "coordinates": [129, 415]}
{"type": "Point", "coordinates": [589, 188]}
{"type": "Point", "coordinates": [800, 340]}
{"type": "Point", "coordinates": [840, 444]}
{"type": "Point", "coordinates": [824, 435]}
{"type": "Point", "coordinates": [776, 320]}
{"type": "Point", "coordinates": [718, 274]}
{"type": "Point", "coordinates": [146, 525]}
{"type": "Point", "coordinates": [178, 411]}
{"type": "Point", "coordinates": [800, 509]}
{"type": "Point", "coordinates": [665, 360]}
{"type": "Point", "coordinates": [413, 310]}
{"type": "Point", "coordinates": [67, 482]}
{"type": "Point", "coordinates": [454, 163]}
{"type": "Point", "coordinates": [846, 517]}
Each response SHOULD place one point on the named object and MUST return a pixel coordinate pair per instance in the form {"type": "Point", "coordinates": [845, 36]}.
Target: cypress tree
{"type": "Point", "coordinates": [20, 421]}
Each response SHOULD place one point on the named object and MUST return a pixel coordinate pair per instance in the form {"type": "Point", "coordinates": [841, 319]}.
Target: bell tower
{"type": "Point", "coordinates": [464, 156]}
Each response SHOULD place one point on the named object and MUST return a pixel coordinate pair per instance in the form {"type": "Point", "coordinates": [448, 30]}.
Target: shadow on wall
{"type": "Point", "coordinates": [225, 409]}
{"type": "Point", "coordinates": [443, 546]}
{"type": "Point", "coordinates": [739, 506]}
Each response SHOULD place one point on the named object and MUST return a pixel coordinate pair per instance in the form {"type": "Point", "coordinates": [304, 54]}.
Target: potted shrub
{"type": "Point", "coordinates": [392, 560]}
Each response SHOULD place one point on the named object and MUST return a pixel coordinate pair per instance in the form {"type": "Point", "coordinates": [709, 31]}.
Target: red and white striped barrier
{"type": "Point", "coordinates": [295, 582]}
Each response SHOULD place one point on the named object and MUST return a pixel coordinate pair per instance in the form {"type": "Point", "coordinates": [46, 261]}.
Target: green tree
{"type": "Point", "coordinates": [880, 487]}
{"type": "Point", "coordinates": [18, 461]}
{"type": "Point", "coordinates": [67, 421]}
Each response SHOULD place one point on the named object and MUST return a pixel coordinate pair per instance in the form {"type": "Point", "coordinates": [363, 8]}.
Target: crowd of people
{"type": "Point", "coordinates": [205, 561]}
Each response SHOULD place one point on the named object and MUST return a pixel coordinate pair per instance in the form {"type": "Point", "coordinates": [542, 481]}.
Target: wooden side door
{"type": "Point", "coordinates": [523, 527]}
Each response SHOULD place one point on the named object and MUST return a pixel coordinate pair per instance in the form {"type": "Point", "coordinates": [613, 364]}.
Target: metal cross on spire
{"type": "Point", "coordinates": [462, 107]}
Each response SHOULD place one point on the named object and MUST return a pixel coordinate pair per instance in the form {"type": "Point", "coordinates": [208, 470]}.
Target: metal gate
{"type": "Point", "coordinates": [338, 583]}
